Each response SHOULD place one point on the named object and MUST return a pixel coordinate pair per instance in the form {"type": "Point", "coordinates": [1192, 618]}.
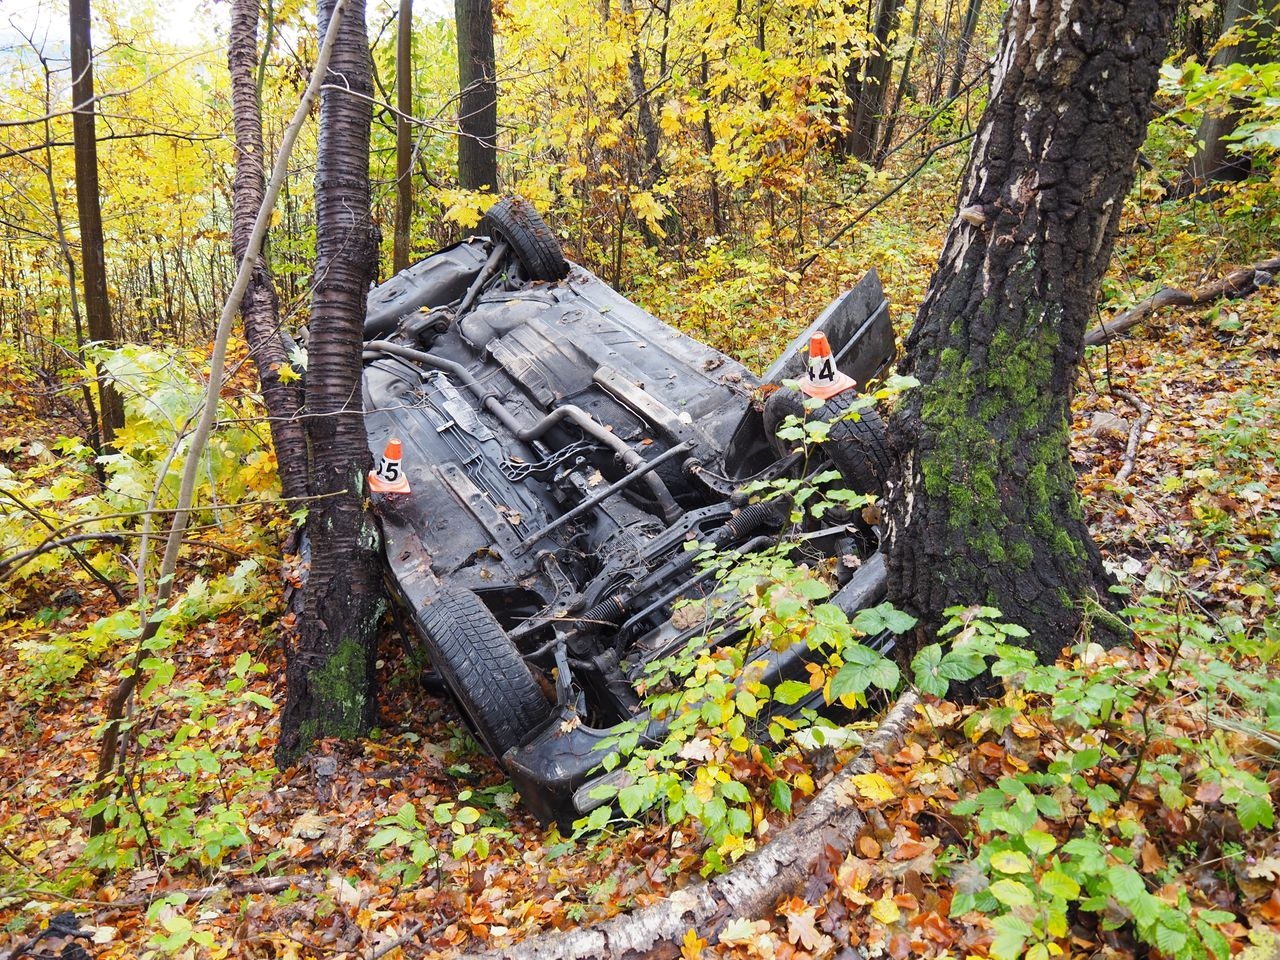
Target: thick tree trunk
{"type": "Point", "coordinates": [260, 309]}
{"type": "Point", "coordinates": [404, 136]}
{"type": "Point", "coordinates": [93, 267]}
{"type": "Point", "coordinates": [330, 668]}
{"type": "Point", "coordinates": [478, 96]}
{"type": "Point", "coordinates": [983, 507]}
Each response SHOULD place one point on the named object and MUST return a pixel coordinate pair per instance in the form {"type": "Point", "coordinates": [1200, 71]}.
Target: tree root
{"type": "Point", "coordinates": [749, 890]}
{"type": "Point", "coordinates": [1238, 283]}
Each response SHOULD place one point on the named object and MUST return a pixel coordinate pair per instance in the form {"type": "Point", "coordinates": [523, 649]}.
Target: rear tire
{"type": "Point", "coordinates": [483, 670]}
{"type": "Point", "coordinates": [859, 448]}
{"type": "Point", "coordinates": [514, 220]}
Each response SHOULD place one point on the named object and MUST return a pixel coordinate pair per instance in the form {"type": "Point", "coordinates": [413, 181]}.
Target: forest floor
{"type": "Point", "coordinates": [320, 876]}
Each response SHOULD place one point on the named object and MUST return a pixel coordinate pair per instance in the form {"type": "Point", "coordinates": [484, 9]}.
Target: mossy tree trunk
{"type": "Point", "coordinates": [983, 507]}
{"type": "Point", "coordinates": [330, 662]}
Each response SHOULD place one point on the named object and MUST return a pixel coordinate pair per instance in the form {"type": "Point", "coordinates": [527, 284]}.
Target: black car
{"type": "Point", "coordinates": [546, 450]}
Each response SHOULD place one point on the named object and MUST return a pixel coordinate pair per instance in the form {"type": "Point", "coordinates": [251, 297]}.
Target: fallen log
{"type": "Point", "coordinates": [1238, 283]}
{"type": "Point", "coordinates": [750, 890]}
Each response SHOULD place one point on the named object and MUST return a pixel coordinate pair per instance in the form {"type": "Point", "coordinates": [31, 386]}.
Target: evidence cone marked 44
{"type": "Point", "coordinates": [824, 381]}
{"type": "Point", "coordinates": [388, 474]}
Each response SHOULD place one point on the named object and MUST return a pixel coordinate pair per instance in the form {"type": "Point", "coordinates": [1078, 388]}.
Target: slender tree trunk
{"type": "Point", "coordinates": [478, 96]}
{"type": "Point", "coordinates": [967, 28]}
{"type": "Point", "coordinates": [904, 80]}
{"type": "Point", "coordinates": [404, 136]}
{"type": "Point", "coordinates": [983, 507]}
{"type": "Point", "coordinates": [97, 305]}
{"type": "Point", "coordinates": [330, 668]}
{"type": "Point", "coordinates": [260, 308]}
{"type": "Point", "coordinates": [647, 125]}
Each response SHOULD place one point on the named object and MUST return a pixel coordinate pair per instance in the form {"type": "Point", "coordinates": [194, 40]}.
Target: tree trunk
{"type": "Point", "coordinates": [404, 137]}
{"type": "Point", "coordinates": [865, 81]}
{"type": "Point", "coordinates": [478, 96]}
{"type": "Point", "coordinates": [904, 80]}
{"type": "Point", "coordinates": [97, 305]}
{"type": "Point", "coordinates": [330, 669]}
{"type": "Point", "coordinates": [1211, 162]}
{"type": "Point", "coordinates": [967, 29]}
{"type": "Point", "coordinates": [983, 507]}
{"type": "Point", "coordinates": [260, 308]}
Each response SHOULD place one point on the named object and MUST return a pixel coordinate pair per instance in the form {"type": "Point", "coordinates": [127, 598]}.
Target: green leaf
{"type": "Point", "coordinates": [1041, 844]}
{"type": "Point", "coordinates": [1012, 893]}
{"type": "Point", "coordinates": [924, 669]}
{"type": "Point", "coordinates": [1253, 811]}
{"type": "Point", "coordinates": [790, 692]}
{"type": "Point", "coordinates": [1011, 933]}
{"type": "Point", "coordinates": [1169, 940]}
{"type": "Point", "coordinates": [1127, 884]}
{"type": "Point", "coordinates": [631, 798]}
{"type": "Point", "coordinates": [885, 616]}
{"type": "Point", "coordinates": [780, 795]}
{"type": "Point", "coordinates": [851, 678]}
{"type": "Point", "coordinates": [1058, 884]}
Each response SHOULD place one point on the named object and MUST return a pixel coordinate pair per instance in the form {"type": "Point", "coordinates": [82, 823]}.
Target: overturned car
{"type": "Point", "coordinates": [546, 450]}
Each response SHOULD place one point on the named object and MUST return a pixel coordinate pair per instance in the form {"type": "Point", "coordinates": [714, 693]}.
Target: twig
{"type": "Point", "coordinates": [265, 885]}
{"type": "Point", "coordinates": [399, 942]}
{"type": "Point", "coordinates": [1135, 431]}
{"type": "Point", "coordinates": [1238, 283]}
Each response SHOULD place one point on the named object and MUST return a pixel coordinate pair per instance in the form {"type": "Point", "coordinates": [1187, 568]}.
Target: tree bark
{"type": "Point", "coordinates": [93, 267]}
{"type": "Point", "coordinates": [404, 136]}
{"type": "Point", "coordinates": [983, 507]}
{"type": "Point", "coordinates": [330, 667]}
{"type": "Point", "coordinates": [260, 307]}
{"type": "Point", "coordinates": [478, 96]}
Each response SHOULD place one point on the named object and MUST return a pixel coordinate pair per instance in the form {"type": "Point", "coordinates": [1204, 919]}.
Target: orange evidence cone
{"type": "Point", "coordinates": [388, 475]}
{"type": "Point", "coordinates": [824, 380]}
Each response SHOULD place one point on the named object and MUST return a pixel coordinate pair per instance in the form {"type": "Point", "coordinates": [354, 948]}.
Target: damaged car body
{"type": "Point", "coordinates": [558, 449]}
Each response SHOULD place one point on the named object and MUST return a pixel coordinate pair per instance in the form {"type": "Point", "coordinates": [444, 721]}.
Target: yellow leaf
{"type": "Point", "coordinates": [873, 787]}
{"type": "Point", "coordinates": [885, 910]}
{"type": "Point", "coordinates": [1011, 861]}
{"type": "Point", "coordinates": [691, 948]}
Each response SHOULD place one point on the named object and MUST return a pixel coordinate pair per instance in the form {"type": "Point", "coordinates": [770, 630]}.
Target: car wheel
{"type": "Point", "coordinates": [514, 220]}
{"type": "Point", "coordinates": [859, 448]}
{"type": "Point", "coordinates": [483, 669]}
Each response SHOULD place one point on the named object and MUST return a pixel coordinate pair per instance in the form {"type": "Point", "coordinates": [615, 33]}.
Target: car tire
{"type": "Point", "coordinates": [483, 669]}
{"type": "Point", "coordinates": [514, 220]}
{"type": "Point", "coordinates": [859, 448]}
